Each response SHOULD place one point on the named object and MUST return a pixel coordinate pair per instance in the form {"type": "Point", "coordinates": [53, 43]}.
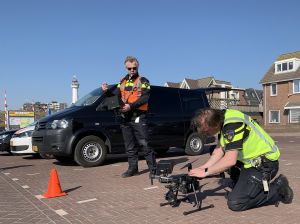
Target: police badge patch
{"type": "Point", "coordinates": [229, 135]}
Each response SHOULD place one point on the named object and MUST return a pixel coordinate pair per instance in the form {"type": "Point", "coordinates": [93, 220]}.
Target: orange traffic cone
{"type": "Point", "coordinates": [54, 189]}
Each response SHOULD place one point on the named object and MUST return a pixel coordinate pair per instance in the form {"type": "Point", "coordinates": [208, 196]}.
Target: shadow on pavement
{"type": "Point", "coordinates": [72, 189]}
{"type": "Point", "coordinates": [173, 152]}
{"type": "Point", "coordinates": [13, 167]}
{"type": "Point", "coordinates": [116, 158]}
{"type": "Point", "coordinates": [32, 157]}
{"type": "Point", "coordinates": [2, 153]}
{"type": "Point", "coordinates": [65, 163]}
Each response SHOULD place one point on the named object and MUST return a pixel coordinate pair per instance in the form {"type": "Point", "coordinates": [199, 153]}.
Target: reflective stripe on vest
{"type": "Point", "coordinates": [247, 121]}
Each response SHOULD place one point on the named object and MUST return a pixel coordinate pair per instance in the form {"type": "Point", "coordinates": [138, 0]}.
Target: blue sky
{"type": "Point", "coordinates": [44, 43]}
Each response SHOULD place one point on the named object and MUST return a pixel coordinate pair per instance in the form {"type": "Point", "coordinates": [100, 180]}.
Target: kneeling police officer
{"type": "Point", "coordinates": [244, 147]}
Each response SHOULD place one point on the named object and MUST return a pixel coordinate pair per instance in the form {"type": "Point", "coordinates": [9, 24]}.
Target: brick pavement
{"type": "Point", "coordinates": [100, 195]}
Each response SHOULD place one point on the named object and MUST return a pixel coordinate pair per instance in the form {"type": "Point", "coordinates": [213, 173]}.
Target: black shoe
{"type": "Point", "coordinates": [285, 190]}
{"type": "Point", "coordinates": [130, 173]}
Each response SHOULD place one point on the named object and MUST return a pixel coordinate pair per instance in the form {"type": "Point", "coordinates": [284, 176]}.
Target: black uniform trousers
{"type": "Point", "coordinates": [248, 191]}
{"type": "Point", "coordinates": [135, 134]}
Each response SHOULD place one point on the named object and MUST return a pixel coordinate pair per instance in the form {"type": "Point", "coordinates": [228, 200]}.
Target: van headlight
{"type": "Point", "coordinates": [58, 124]}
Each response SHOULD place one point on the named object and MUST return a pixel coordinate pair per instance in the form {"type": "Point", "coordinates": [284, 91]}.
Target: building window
{"type": "Point", "coordinates": [274, 116]}
{"type": "Point", "coordinates": [278, 68]}
{"type": "Point", "coordinates": [294, 115]}
{"type": "Point", "coordinates": [296, 86]}
{"type": "Point", "coordinates": [273, 89]}
{"type": "Point", "coordinates": [291, 65]}
{"type": "Point", "coordinates": [234, 95]}
{"type": "Point", "coordinates": [284, 66]}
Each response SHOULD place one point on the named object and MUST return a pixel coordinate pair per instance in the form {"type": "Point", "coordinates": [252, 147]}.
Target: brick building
{"type": "Point", "coordinates": [281, 87]}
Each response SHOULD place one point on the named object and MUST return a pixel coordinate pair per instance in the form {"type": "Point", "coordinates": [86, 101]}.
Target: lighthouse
{"type": "Point", "coordinates": [74, 86]}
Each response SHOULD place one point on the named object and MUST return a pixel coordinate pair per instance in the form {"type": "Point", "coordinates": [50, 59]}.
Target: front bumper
{"type": "Point", "coordinates": [21, 145]}
{"type": "Point", "coordinates": [53, 142]}
{"type": "Point", "coordinates": [4, 147]}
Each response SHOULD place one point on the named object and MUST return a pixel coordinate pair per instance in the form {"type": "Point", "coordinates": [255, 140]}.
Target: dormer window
{"type": "Point", "coordinates": [288, 65]}
{"type": "Point", "coordinates": [285, 66]}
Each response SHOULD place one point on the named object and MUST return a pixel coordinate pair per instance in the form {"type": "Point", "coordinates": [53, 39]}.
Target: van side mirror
{"type": "Point", "coordinates": [102, 107]}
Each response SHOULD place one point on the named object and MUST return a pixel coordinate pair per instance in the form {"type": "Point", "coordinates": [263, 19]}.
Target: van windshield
{"type": "Point", "coordinates": [89, 99]}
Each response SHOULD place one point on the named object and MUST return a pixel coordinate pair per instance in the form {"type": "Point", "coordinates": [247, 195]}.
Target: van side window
{"type": "Point", "coordinates": [111, 101]}
{"type": "Point", "coordinates": [193, 103]}
{"type": "Point", "coordinates": [165, 102]}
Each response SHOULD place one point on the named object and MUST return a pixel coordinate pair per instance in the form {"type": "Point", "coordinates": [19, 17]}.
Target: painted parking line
{"type": "Point", "coordinates": [288, 164]}
{"type": "Point", "coordinates": [32, 174]}
{"type": "Point", "coordinates": [6, 173]}
{"type": "Point", "coordinates": [15, 179]}
{"type": "Point", "coordinates": [78, 169]}
{"type": "Point", "coordinates": [150, 188]}
{"type": "Point", "coordinates": [115, 165]}
{"type": "Point", "coordinates": [61, 212]}
{"type": "Point", "coordinates": [88, 200]}
{"type": "Point", "coordinates": [25, 186]}
{"type": "Point", "coordinates": [39, 196]}
{"type": "Point", "coordinates": [291, 141]}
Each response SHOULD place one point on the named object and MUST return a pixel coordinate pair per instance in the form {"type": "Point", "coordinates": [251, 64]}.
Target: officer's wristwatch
{"type": "Point", "coordinates": [206, 172]}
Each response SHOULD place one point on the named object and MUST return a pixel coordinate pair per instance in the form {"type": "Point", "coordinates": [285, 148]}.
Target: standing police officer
{"type": "Point", "coordinates": [245, 144]}
{"type": "Point", "coordinates": [134, 92]}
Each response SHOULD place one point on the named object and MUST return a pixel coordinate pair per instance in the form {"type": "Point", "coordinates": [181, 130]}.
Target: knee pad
{"type": "Point", "coordinates": [143, 142]}
{"type": "Point", "coordinates": [235, 205]}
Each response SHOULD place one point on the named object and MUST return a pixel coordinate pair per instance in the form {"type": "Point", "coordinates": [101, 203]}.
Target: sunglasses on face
{"type": "Point", "coordinates": [133, 68]}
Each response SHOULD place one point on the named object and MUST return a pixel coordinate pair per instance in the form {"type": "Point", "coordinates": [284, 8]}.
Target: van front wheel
{"type": "Point", "coordinates": [194, 145]}
{"type": "Point", "coordinates": [90, 151]}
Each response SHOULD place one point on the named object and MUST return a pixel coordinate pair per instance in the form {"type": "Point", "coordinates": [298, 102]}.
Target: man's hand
{"type": "Point", "coordinates": [104, 87]}
{"type": "Point", "coordinates": [126, 108]}
{"type": "Point", "coordinates": [197, 172]}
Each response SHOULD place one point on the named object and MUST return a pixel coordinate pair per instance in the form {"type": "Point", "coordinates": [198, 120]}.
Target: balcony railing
{"type": "Point", "coordinates": [219, 103]}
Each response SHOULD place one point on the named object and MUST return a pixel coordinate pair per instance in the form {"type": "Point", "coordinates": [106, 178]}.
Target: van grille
{"type": "Point", "coordinates": [40, 126]}
{"type": "Point", "coordinates": [37, 139]}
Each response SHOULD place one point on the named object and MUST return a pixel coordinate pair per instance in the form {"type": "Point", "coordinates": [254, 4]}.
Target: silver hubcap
{"type": "Point", "coordinates": [196, 144]}
{"type": "Point", "coordinates": [92, 151]}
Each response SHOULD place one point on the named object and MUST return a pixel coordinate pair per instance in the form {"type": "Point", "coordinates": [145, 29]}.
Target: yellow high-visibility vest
{"type": "Point", "coordinates": [258, 142]}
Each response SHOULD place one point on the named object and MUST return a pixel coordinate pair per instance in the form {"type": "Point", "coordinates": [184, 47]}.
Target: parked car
{"type": "Point", "coordinates": [21, 142]}
{"type": "Point", "coordinates": [5, 137]}
{"type": "Point", "coordinates": [90, 129]}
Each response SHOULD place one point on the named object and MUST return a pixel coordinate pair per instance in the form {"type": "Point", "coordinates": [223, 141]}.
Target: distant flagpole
{"type": "Point", "coordinates": [5, 112]}
{"type": "Point", "coordinates": [33, 110]}
{"type": "Point", "coordinates": [32, 105]}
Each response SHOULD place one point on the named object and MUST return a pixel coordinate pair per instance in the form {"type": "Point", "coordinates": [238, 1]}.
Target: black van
{"type": "Point", "coordinates": [90, 129]}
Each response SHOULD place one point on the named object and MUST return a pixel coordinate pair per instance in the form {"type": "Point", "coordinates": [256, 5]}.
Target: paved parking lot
{"type": "Point", "coordinates": [100, 195]}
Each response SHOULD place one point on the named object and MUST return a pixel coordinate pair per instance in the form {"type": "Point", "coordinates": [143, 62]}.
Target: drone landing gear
{"type": "Point", "coordinates": [174, 201]}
